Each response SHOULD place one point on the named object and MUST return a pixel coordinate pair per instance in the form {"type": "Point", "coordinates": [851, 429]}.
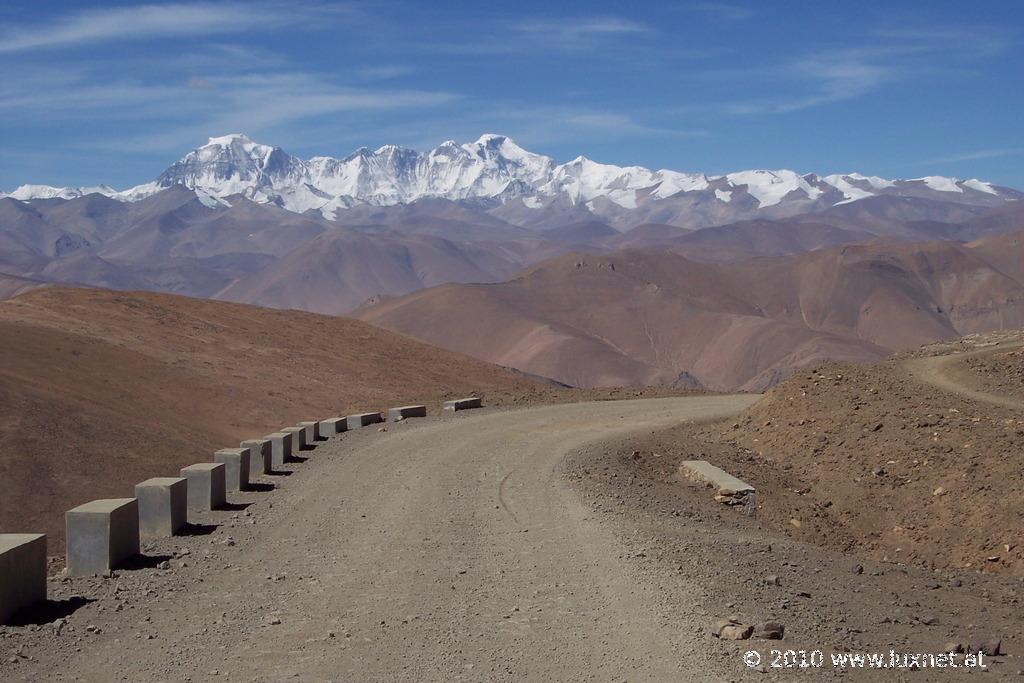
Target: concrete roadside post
{"type": "Point", "coordinates": [334, 425]}
{"type": "Point", "coordinates": [298, 438]}
{"type": "Point", "coordinates": [463, 404]}
{"type": "Point", "coordinates": [362, 419]}
{"type": "Point", "coordinates": [405, 412]}
{"type": "Point", "coordinates": [280, 448]}
{"type": "Point", "coordinates": [101, 535]}
{"type": "Point", "coordinates": [206, 486]}
{"type": "Point", "coordinates": [22, 572]}
{"type": "Point", "coordinates": [260, 459]}
{"type": "Point", "coordinates": [236, 467]}
{"type": "Point", "coordinates": [730, 490]}
{"type": "Point", "coordinates": [163, 506]}
{"type": "Point", "coordinates": [312, 430]}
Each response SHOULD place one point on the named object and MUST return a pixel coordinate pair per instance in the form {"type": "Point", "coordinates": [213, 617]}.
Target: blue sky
{"type": "Point", "coordinates": [115, 92]}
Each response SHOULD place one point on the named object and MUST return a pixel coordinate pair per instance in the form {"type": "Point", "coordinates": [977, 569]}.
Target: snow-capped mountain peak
{"type": "Point", "coordinates": [230, 139]}
{"type": "Point", "coordinates": [28, 192]}
{"type": "Point", "coordinates": [493, 145]}
{"type": "Point", "coordinates": [772, 187]}
{"type": "Point", "coordinates": [495, 170]}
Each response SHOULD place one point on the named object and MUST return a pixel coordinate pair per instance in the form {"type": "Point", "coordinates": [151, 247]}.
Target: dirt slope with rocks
{"type": "Point", "coordinates": [749, 570]}
{"type": "Point", "coordinates": [100, 390]}
{"type": "Point", "coordinates": [1000, 373]}
{"type": "Point", "coordinates": [884, 461]}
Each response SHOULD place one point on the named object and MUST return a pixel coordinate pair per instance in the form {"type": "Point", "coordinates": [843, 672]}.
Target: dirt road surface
{"type": "Point", "coordinates": [444, 549]}
{"type": "Point", "coordinates": [949, 374]}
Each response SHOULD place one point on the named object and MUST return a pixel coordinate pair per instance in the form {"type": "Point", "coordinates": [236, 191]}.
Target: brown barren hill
{"type": "Point", "coordinates": [628, 319]}
{"type": "Point", "coordinates": [100, 390]}
{"type": "Point", "coordinates": [637, 317]}
{"type": "Point", "coordinates": [12, 285]}
{"type": "Point", "coordinates": [340, 269]}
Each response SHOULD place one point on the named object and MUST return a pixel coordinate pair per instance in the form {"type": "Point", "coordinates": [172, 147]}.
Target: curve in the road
{"type": "Point", "coordinates": [446, 550]}
{"type": "Point", "coordinates": [941, 372]}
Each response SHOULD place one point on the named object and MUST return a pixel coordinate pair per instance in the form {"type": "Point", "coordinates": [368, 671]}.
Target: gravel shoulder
{"type": "Point", "coordinates": [679, 538]}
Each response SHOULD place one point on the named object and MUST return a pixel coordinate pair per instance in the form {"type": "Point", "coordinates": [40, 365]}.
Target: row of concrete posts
{"type": "Point", "coordinates": [103, 534]}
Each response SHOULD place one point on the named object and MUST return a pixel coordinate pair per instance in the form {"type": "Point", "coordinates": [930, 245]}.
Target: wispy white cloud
{"type": "Point", "coordinates": [721, 11]}
{"type": "Point", "coordinates": [884, 57]}
{"type": "Point", "coordinates": [563, 34]}
{"type": "Point", "coordinates": [199, 83]}
{"type": "Point", "coordinates": [570, 31]}
{"type": "Point", "coordinates": [543, 125]}
{"type": "Point", "coordinates": [530, 125]}
{"type": "Point", "coordinates": [964, 41]}
{"type": "Point", "coordinates": [145, 22]}
{"type": "Point", "coordinates": [198, 106]}
{"type": "Point", "coordinates": [621, 124]}
{"type": "Point", "coordinates": [976, 155]}
{"type": "Point", "coordinates": [830, 79]}
{"type": "Point", "coordinates": [382, 72]}
{"type": "Point", "coordinates": [55, 93]}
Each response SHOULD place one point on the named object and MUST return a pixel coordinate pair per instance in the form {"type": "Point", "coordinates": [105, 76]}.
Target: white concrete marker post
{"type": "Point", "coordinates": [334, 425]}
{"type": "Point", "coordinates": [280, 448]}
{"type": "Point", "coordinates": [236, 467]}
{"type": "Point", "coordinates": [463, 404]}
{"type": "Point", "coordinates": [312, 430]}
{"type": "Point", "coordinates": [22, 572]}
{"type": "Point", "coordinates": [298, 438]}
{"type": "Point", "coordinates": [730, 490]}
{"type": "Point", "coordinates": [206, 486]}
{"type": "Point", "coordinates": [101, 535]}
{"type": "Point", "coordinates": [163, 506]}
{"type": "Point", "coordinates": [405, 412]}
{"type": "Point", "coordinates": [362, 420]}
{"type": "Point", "coordinates": [260, 456]}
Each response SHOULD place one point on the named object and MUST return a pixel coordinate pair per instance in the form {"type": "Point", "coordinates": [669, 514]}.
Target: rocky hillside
{"type": "Point", "coordinates": [871, 460]}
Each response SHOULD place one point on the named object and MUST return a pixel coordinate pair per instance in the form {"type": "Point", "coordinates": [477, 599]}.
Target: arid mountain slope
{"type": "Point", "coordinates": [895, 295]}
{"type": "Point", "coordinates": [633, 318]}
{"type": "Point", "coordinates": [748, 239]}
{"type": "Point", "coordinates": [889, 215]}
{"type": "Point", "coordinates": [1005, 251]}
{"type": "Point", "coordinates": [11, 285]}
{"type": "Point", "coordinates": [175, 242]}
{"type": "Point", "coordinates": [880, 460]}
{"type": "Point", "coordinates": [590, 232]}
{"type": "Point", "coordinates": [646, 235]}
{"type": "Point", "coordinates": [338, 270]}
{"type": "Point", "coordinates": [181, 242]}
{"type": "Point", "coordinates": [431, 216]}
{"type": "Point", "coordinates": [100, 390]}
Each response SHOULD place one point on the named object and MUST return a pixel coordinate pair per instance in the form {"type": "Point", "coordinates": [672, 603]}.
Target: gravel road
{"type": "Point", "coordinates": [948, 373]}
{"type": "Point", "coordinates": [444, 549]}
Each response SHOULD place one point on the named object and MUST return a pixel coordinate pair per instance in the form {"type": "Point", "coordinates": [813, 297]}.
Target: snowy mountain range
{"type": "Point", "coordinates": [495, 174]}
